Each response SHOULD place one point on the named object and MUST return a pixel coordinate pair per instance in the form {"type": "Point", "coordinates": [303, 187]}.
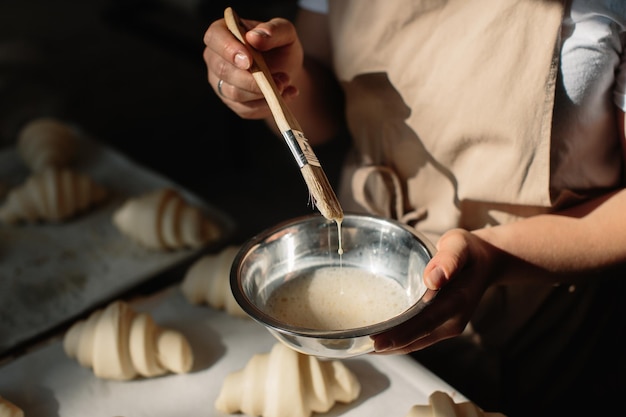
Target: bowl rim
{"type": "Point", "coordinates": [263, 318]}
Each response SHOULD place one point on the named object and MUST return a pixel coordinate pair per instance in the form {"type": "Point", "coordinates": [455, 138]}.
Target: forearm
{"type": "Point", "coordinates": [561, 247]}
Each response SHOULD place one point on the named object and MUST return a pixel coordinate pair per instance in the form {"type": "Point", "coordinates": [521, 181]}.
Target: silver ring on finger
{"type": "Point", "coordinates": [219, 87]}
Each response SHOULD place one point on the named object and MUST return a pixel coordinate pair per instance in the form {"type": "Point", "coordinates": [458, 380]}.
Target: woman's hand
{"type": "Point", "coordinates": [307, 84]}
{"type": "Point", "coordinates": [460, 270]}
{"type": "Point", "coordinates": [228, 62]}
{"type": "Point", "coordinates": [543, 249]}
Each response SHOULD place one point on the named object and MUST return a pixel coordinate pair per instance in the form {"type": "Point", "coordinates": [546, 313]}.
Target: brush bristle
{"type": "Point", "coordinates": [322, 192]}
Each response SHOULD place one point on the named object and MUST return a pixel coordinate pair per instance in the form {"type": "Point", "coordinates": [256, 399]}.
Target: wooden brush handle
{"type": "Point", "coordinates": [321, 192]}
{"type": "Point", "coordinates": [285, 120]}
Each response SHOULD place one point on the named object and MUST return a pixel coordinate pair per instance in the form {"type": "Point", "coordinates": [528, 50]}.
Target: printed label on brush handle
{"type": "Point", "coordinates": [300, 148]}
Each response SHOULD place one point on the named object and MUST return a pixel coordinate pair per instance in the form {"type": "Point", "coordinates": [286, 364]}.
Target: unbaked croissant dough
{"type": "Point", "coordinates": [163, 220]}
{"type": "Point", "coordinates": [8, 409]}
{"type": "Point", "coordinates": [46, 142]}
{"type": "Point", "coordinates": [120, 344]}
{"type": "Point", "coordinates": [286, 383]}
{"type": "Point", "coordinates": [52, 195]}
{"type": "Point", "coordinates": [208, 281]}
{"type": "Point", "coordinates": [442, 405]}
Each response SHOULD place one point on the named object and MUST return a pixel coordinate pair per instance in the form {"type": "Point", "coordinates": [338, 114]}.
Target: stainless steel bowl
{"type": "Point", "coordinates": [381, 246]}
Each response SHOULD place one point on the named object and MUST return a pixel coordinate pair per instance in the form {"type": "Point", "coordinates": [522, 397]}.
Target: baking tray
{"type": "Point", "coordinates": [46, 382]}
{"type": "Point", "coordinates": [52, 273]}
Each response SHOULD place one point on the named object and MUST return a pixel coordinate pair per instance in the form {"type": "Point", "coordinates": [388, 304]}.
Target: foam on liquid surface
{"type": "Point", "coordinates": [337, 298]}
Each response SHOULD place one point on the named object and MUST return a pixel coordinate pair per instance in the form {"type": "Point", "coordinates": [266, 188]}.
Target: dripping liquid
{"type": "Point", "coordinates": [339, 243]}
{"type": "Point", "coordinates": [340, 252]}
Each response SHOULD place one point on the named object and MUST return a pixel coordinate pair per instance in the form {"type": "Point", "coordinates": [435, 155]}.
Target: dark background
{"type": "Point", "coordinates": [131, 74]}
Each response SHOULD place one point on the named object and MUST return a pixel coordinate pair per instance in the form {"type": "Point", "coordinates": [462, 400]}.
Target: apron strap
{"type": "Point", "coordinates": [392, 198]}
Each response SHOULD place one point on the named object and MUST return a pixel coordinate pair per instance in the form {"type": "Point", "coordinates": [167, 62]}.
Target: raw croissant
{"type": "Point", "coordinates": [51, 195]}
{"type": "Point", "coordinates": [163, 220]}
{"type": "Point", "coordinates": [208, 281]}
{"type": "Point", "coordinates": [8, 409]}
{"type": "Point", "coordinates": [46, 142]}
{"type": "Point", "coordinates": [442, 405]}
{"type": "Point", "coordinates": [285, 383]}
{"type": "Point", "coordinates": [120, 344]}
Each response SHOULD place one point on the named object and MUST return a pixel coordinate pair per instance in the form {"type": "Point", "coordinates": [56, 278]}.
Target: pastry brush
{"type": "Point", "coordinates": [321, 191]}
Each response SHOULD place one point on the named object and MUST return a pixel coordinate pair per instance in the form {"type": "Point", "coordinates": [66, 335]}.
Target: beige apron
{"type": "Point", "coordinates": [450, 107]}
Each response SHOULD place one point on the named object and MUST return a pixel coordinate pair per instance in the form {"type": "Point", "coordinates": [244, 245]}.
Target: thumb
{"type": "Point", "coordinates": [275, 33]}
{"type": "Point", "coordinates": [452, 255]}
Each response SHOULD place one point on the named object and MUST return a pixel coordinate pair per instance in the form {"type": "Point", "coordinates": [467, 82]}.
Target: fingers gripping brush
{"type": "Point", "coordinates": [321, 192]}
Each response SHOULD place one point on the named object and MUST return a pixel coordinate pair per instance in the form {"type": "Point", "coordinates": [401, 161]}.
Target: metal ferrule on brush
{"type": "Point", "coordinates": [300, 148]}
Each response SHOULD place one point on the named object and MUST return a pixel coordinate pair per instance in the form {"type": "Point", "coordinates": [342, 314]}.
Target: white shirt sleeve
{"type": "Point", "coordinates": [593, 61]}
{"type": "Point", "coordinates": [319, 6]}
